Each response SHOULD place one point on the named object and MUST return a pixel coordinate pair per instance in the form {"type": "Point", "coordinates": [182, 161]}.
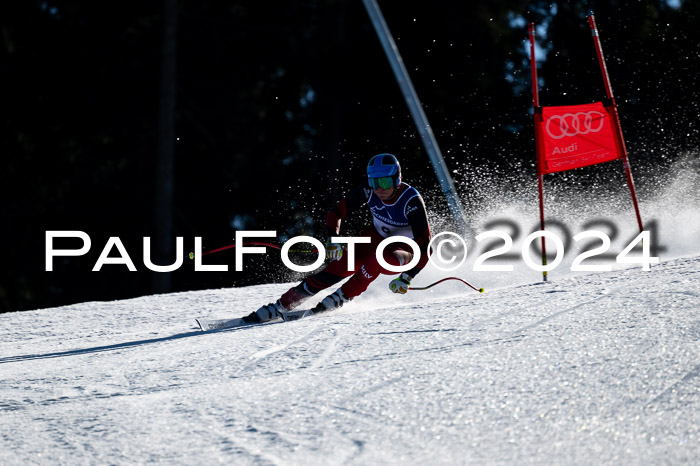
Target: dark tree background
{"type": "Point", "coordinates": [199, 118]}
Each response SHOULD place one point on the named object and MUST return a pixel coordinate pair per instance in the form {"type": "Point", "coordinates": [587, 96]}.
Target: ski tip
{"type": "Point", "coordinates": [199, 324]}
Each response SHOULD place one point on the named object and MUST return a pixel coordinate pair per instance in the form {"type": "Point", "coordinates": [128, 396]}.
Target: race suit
{"type": "Point", "coordinates": [403, 215]}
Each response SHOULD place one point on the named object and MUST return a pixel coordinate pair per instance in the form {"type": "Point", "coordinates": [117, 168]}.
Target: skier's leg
{"type": "Point", "coordinates": [334, 272]}
{"type": "Point", "coordinates": [310, 286]}
{"type": "Point", "coordinates": [360, 280]}
{"type": "Point", "coordinates": [371, 269]}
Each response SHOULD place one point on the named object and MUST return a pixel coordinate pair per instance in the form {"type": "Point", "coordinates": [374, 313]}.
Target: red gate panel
{"type": "Point", "coordinates": [576, 136]}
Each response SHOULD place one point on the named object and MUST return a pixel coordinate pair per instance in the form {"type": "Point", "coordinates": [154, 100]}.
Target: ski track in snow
{"type": "Point", "coordinates": [589, 369]}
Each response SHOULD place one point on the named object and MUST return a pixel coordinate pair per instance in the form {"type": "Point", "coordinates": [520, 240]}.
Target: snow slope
{"type": "Point", "coordinates": [589, 368]}
{"type": "Point", "coordinates": [593, 369]}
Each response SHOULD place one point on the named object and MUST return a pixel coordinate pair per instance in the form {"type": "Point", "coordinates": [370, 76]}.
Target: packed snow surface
{"type": "Point", "coordinates": [587, 368]}
{"type": "Point", "coordinates": [593, 369]}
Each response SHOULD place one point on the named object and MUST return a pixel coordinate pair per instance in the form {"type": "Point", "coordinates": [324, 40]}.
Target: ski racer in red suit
{"type": "Point", "coordinates": [397, 210]}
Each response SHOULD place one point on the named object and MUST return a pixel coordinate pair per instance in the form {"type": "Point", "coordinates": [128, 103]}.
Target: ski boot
{"type": "Point", "coordinates": [265, 313]}
{"type": "Point", "coordinates": [333, 301]}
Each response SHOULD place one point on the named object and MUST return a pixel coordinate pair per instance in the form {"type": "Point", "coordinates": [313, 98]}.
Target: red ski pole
{"type": "Point", "coordinates": [480, 290]}
{"type": "Point", "coordinates": [230, 246]}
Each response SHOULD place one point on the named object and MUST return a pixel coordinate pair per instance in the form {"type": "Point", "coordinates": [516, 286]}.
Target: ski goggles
{"type": "Point", "coordinates": [385, 182]}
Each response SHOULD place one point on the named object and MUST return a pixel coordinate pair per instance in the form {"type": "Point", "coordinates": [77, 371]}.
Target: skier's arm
{"type": "Point", "coordinates": [418, 217]}
{"type": "Point", "coordinates": [354, 200]}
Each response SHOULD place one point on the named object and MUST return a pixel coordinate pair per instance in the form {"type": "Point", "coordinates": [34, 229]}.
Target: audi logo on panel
{"type": "Point", "coordinates": [573, 124]}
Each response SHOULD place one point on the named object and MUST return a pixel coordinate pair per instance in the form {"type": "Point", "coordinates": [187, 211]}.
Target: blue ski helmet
{"type": "Point", "coordinates": [380, 168]}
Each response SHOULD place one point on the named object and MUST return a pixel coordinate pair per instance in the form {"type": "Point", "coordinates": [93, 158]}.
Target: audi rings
{"type": "Point", "coordinates": [573, 124]}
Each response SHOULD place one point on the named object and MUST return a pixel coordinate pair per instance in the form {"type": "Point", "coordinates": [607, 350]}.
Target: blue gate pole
{"type": "Point", "coordinates": [414, 105]}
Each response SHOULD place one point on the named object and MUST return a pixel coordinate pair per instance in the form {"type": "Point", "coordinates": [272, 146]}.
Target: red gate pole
{"type": "Point", "coordinates": [616, 118]}
{"type": "Point", "coordinates": [538, 139]}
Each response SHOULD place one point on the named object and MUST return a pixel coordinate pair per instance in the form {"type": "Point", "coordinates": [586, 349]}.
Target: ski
{"type": "Point", "coordinates": [289, 316]}
{"type": "Point", "coordinates": [220, 324]}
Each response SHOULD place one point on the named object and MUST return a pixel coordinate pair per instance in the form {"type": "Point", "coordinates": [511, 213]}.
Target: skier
{"type": "Point", "coordinates": [397, 210]}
